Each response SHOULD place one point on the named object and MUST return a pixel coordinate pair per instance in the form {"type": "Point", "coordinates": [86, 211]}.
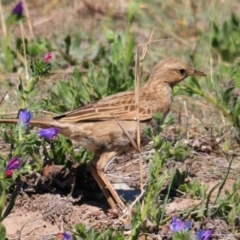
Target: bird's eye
{"type": "Point", "coordinates": [182, 72]}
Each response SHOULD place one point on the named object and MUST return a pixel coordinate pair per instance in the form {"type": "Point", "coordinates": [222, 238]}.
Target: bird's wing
{"type": "Point", "coordinates": [120, 106]}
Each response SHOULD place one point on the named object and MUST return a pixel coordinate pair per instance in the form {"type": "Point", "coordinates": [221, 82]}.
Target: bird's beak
{"type": "Point", "coordinates": [197, 73]}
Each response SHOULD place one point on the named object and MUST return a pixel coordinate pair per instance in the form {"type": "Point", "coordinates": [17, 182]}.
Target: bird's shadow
{"type": "Point", "coordinates": [129, 195]}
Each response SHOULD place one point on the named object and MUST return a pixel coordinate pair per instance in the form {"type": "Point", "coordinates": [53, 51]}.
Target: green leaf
{"type": "Point", "coordinates": [2, 202]}
{"type": "Point", "coordinates": [65, 92]}
{"type": "Point", "coordinates": [80, 229]}
{"type": "Point", "coordinates": [67, 41]}
{"type": "Point", "coordinates": [236, 77]}
{"type": "Point", "coordinates": [234, 20]}
{"type": "Point", "coordinates": [38, 46]}
{"type": "Point", "coordinates": [20, 86]}
{"type": "Point", "coordinates": [225, 28]}
{"type": "Point", "coordinates": [195, 83]}
{"type": "Point", "coordinates": [183, 235]}
{"type": "Point", "coordinates": [110, 36]}
{"type": "Point", "coordinates": [235, 113]}
{"type": "Point", "coordinates": [68, 144]}
{"type": "Point", "coordinates": [77, 41]}
{"type": "Point", "coordinates": [117, 50]}
{"type": "Point", "coordinates": [227, 95]}
{"type": "Point", "coordinates": [2, 232]}
{"type": "Point", "coordinates": [133, 7]}
{"type": "Point", "coordinates": [129, 51]}
{"type": "Point", "coordinates": [10, 20]}
{"type": "Point", "coordinates": [215, 28]}
{"type": "Point", "coordinates": [10, 206]}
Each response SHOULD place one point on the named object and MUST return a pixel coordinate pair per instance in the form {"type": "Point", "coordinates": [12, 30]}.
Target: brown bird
{"type": "Point", "coordinates": [96, 126]}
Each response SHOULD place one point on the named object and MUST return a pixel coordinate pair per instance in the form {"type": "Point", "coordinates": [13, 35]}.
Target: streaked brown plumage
{"type": "Point", "coordinates": [95, 128]}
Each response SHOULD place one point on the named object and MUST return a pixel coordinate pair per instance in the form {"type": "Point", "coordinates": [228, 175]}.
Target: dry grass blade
{"type": "Point", "coordinates": [28, 19]}
{"type": "Point", "coordinates": [138, 65]}
{"type": "Point", "coordinates": [4, 95]}
{"type": "Point", "coordinates": [137, 100]}
{"type": "Point", "coordinates": [2, 20]}
{"type": "Point", "coordinates": [154, 41]}
{"type": "Point", "coordinates": [24, 50]}
{"type": "Point", "coordinates": [145, 48]}
{"type": "Point", "coordinates": [129, 137]}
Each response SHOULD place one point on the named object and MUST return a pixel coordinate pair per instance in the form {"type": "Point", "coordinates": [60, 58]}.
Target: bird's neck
{"type": "Point", "coordinates": [159, 95]}
{"type": "Point", "coordinates": [159, 86]}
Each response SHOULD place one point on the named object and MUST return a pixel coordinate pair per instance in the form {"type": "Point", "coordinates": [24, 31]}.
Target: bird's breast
{"type": "Point", "coordinates": [158, 99]}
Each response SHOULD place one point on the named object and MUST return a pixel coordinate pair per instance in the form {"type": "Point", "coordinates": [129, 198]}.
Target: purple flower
{"type": "Point", "coordinates": [47, 58]}
{"type": "Point", "coordinates": [13, 164]}
{"type": "Point", "coordinates": [204, 234]}
{"type": "Point", "coordinates": [49, 133]}
{"type": "Point", "coordinates": [18, 9]}
{"type": "Point", "coordinates": [66, 236]}
{"type": "Point", "coordinates": [178, 225]}
{"type": "Point", "coordinates": [25, 117]}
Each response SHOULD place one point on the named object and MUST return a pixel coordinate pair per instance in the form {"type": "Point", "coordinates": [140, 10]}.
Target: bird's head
{"type": "Point", "coordinates": [172, 71]}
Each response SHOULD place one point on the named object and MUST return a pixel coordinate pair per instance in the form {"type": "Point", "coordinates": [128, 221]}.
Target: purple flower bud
{"type": "Point", "coordinates": [47, 58]}
{"type": "Point", "coordinates": [13, 164]}
{"type": "Point", "coordinates": [25, 117]}
{"type": "Point", "coordinates": [49, 133]}
{"type": "Point", "coordinates": [18, 9]}
{"type": "Point", "coordinates": [204, 234]}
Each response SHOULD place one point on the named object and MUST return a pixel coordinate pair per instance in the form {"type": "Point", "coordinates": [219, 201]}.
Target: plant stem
{"type": "Point", "coordinates": [214, 102]}
{"type": "Point", "coordinates": [36, 159]}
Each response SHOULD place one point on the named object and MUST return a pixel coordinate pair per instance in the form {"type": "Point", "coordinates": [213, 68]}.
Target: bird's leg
{"type": "Point", "coordinates": [97, 168]}
{"type": "Point", "coordinates": [102, 186]}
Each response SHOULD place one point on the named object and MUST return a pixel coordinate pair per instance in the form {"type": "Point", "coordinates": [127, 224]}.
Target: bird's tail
{"type": "Point", "coordinates": [36, 122]}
